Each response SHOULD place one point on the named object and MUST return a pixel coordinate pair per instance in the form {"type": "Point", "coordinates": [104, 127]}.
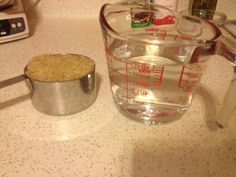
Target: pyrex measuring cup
{"type": "Point", "coordinates": [154, 58]}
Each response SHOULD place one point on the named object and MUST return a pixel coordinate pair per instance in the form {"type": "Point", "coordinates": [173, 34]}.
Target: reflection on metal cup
{"type": "Point", "coordinates": [62, 98]}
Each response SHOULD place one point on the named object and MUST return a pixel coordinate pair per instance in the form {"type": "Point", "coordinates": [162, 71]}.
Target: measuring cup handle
{"type": "Point", "coordinates": [229, 105]}
{"type": "Point", "coordinates": [227, 48]}
{"type": "Point", "coordinates": [13, 80]}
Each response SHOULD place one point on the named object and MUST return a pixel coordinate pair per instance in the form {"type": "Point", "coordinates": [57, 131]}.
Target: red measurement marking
{"type": "Point", "coordinates": [126, 78]}
{"type": "Point", "coordinates": [143, 84]}
{"type": "Point", "coordinates": [182, 37]}
{"type": "Point", "coordinates": [159, 70]}
{"type": "Point", "coordinates": [137, 92]}
{"type": "Point", "coordinates": [139, 83]}
{"type": "Point", "coordinates": [141, 92]}
{"type": "Point", "coordinates": [149, 75]}
{"type": "Point", "coordinates": [144, 69]}
{"type": "Point", "coordinates": [186, 85]}
{"type": "Point", "coordinates": [183, 83]}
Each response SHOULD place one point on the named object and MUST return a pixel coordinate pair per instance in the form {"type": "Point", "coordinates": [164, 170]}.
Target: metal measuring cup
{"type": "Point", "coordinates": [59, 98]}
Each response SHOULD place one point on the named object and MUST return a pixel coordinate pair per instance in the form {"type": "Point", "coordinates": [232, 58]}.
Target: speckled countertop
{"type": "Point", "coordinates": [99, 141]}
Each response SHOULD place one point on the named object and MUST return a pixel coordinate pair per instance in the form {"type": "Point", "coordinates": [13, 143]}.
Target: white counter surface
{"type": "Point", "coordinates": [99, 141]}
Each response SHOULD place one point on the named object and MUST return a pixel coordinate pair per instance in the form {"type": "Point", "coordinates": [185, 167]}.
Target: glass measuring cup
{"type": "Point", "coordinates": [154, 58]}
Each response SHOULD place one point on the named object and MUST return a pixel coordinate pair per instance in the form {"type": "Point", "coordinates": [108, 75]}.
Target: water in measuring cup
{"type": "Point", "coordinates": [153, 89]}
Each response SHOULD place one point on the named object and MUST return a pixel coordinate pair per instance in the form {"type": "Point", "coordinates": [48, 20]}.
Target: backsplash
{"type": "Point", "coordinates": [58, 8]}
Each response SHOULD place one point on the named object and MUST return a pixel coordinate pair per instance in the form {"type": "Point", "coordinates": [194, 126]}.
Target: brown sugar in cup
{"type": "Point", "coordinates": [58, 67]}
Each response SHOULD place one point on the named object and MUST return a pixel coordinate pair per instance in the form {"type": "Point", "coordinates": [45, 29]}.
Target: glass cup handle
{"type": "Point", "coordinates": [229, 105]}
{"type": "Point", "coordinates": [227, 48]}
